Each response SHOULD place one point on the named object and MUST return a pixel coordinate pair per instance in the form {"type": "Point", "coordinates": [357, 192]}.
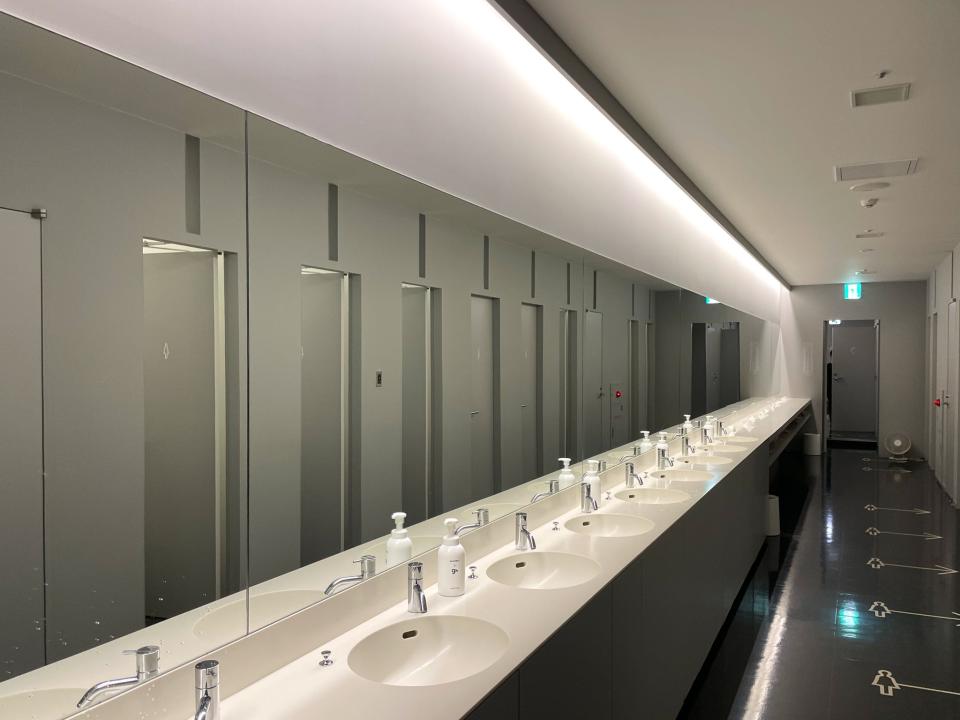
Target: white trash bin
{"type": "Point", "coordinates": [773, 515]}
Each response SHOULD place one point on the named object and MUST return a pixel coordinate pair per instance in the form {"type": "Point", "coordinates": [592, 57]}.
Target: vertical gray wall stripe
{"type": "Point", "coordinates": [333, 222]}
{"type": "Point", "coordinates": [486, 262]}
{"type": "Point", "coordinates": [594, 289]}
{"type": "Point", "coordinates": [423, 246]}
{"type": "Point", "coordinates": [533, 273]}
{"type": "Point", "coordinates": [568, 283]}
{"type": "Point", "coordinates": [191, 184]}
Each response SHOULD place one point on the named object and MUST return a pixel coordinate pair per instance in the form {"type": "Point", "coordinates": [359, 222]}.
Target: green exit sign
{"type": "Point", "coordinates": [852, 291]}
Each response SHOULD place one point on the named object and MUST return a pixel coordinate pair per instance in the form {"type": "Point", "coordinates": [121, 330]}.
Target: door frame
{"type": "Point", "coordinates": [827, 395]}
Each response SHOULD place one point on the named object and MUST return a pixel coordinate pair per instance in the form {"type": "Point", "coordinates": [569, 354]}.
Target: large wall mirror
{"type": "Point", "coordinates": [122, 354]}
{"type": "Point", "coordinates": [231, 356]}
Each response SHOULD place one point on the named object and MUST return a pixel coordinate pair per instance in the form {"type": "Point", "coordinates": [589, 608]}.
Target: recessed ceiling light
{"type": "Point", "coordinates": [869, 235]}
{"type": "Point", "coordinates": [866, 250]}
{"type": "Point", "coordinates": [868, 186]}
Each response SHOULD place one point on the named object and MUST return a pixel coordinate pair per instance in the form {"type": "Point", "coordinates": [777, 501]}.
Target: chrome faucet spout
{"type": "Point", "coordinates": [416, 598]}
{"type": "Point", "coordinates": [631, 478]}
{"type": "Point", "coordinates": [148, 665]}
{"type": "Point", "coordinates": [482, 516]}
{"type": "Point", "coordinates": [524, 538]}
{"type": "Point", "coordinates": [552, 489]}
{"type": "Point", "coordinates": [587, 502]}
{"type": "Point", "coordinates": [206, 676]}
{"type": "Point", "coordinates": [368, 568]}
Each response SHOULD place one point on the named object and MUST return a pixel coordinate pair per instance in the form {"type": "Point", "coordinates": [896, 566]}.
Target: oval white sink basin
{"type": "Point", "coordinates": [741, 439]}
{"type": "Point", "coordinates": [652, 496]}
{"type": "Point", "coordinates": [667, 476]}
{"type": "Point", "coordinates": [40, 704]}
{"type": "Point", "coordinates": [230, 621]}
{"type": "Point", "coordinates": [543, 570]}
{"type": "Point", "coordinates": [705, 460]}
{"type": "Point", "coordinates": [731, 449]}
{"type": "Point", "coordinates": [428, 651]}
{"type": "Point", "coordinates": [609, 525]}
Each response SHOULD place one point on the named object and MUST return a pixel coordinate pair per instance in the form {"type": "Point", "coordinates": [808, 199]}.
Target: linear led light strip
{"type": "Point", "coordinates": [544, 78]}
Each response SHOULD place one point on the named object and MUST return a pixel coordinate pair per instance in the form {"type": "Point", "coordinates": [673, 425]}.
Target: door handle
{"type": "Point", "coordinates": [474, 412]}
{"type": "Point", "coordinates": [523, 406]}
{"type": "Point", "coordinates": [837, 377]}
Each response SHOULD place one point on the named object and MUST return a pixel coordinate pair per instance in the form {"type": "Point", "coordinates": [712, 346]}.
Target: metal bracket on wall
{"type": "Point", "coordinates": [38, 213]}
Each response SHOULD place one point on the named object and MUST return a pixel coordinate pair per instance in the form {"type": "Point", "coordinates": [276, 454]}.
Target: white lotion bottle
{"type": "Point", "coordinates": [451, 557]}
{"type": "Point", "coordinates": [566, 477]}
{"type": "Point", "coordinates": [592, 476]}
{"type": "Point", "coordinates": [399, 546]}
{"type": "Point", "coordinates": [645, 443]}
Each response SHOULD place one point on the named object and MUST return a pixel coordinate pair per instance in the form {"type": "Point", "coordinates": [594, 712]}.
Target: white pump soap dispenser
{"type": "Point", "coordinates": [451, 557]}
{"type": "Point", "coordinates": [399, 546]}
{"type": "Point", "coordinates": [645, 443]}
{"type": "Point", "coordinates": [687, 425]}
{"type": "Point", "coordinates": [566, 477]}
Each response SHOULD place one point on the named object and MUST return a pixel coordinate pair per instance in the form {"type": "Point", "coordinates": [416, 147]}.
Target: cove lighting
{"type": "Point", "coordinates": [543, 77]}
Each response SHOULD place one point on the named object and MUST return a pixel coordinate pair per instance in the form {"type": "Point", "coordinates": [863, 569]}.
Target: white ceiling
{"type": "Point", "coordinates": [446, 93]}
{"type": "Point", "coordinates": [752, 99]}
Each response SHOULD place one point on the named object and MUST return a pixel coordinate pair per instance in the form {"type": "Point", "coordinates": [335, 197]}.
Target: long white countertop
{"type": "Point", "coordinates": [303, 688]}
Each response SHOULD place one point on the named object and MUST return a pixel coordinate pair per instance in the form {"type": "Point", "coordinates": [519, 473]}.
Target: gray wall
{"type": "Point", "coordinates": [379, 242]}
{"type": "Point", "coordinates": [899, 306]}
{"type": "Point", "coordinates": [107, 180]}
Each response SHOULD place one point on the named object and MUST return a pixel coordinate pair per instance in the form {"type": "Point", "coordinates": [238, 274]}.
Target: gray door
{"type": "Point", "coordinates": [568, 383]}
{"type": "Point", "coordinates": [638, 378]}
{"type": "Point", "coordinates": [712, 360]}
{"type": "Point", "coordinates": [482, 369]}
{"type": "Point", "coordinates": [854, 398]}
{"type": "Point", "coordinates": [415, 363]}
{"type": "Point", "coordinates": [321, 414]}
{"type": "Point", "coordinates": [530, 384]}
{"type": "Point", "coordinates": [950, 400]}
{"type": "Point", "coordinates": [729, 364]}
{"type": "Point", "coordinates": [180, 309]}
{"type": "Point", "coordinates": [593, 391]}
{"type": "Point", "coordinates": [21, 446]}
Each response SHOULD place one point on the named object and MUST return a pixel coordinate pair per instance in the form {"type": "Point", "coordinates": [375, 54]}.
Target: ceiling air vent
{"type": "Point", "coordinates": [869, 235]}
{"type": "Point", "coordinates": [880, 95]}
{"type": "Point", "coordinates": [864, 171]}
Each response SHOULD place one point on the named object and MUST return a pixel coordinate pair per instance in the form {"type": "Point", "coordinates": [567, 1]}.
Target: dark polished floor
{"type": "Point", "coordinates": [853, 611]}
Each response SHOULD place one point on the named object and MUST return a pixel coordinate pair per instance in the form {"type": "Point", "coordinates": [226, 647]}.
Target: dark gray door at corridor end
{"type": "Point", "coordinates": [853, 354]}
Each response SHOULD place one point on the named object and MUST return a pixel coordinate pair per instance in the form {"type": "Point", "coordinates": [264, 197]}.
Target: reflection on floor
{"type": "Point", "coordinates": [861, 618]}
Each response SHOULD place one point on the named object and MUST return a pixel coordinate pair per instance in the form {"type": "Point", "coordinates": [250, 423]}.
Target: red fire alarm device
{"type": "Point", "coordinates": [619, 394]}
{"type": "Point", "coordinates": [937, 402]}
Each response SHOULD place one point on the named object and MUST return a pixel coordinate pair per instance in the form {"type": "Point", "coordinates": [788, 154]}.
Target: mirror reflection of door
{"type": "Point", "coordinates": [184, 426]}
{"type": "Point", "coordinates": [951, 427]}
{"type": "Point", "coordinates": [415, 368]}
{"type": "Point", "coordinates": [531, 359]}
{"type": "Point", "coordinates": [324, 325]}
{"type": "Point", "coordinates": [715, 366]}
{"type": "Point", "coordinates": [639, 357]}
{"type": "Point", "coordinates": [568, 384]}
{"type": "Point", "coordinates": [852, 358]}
{"type": "Point", "coordinates": [483, 369]}
{"type": "Point", "coordinates": [593, 390]}
{"type": "Point", "coordinates": [21, 446]}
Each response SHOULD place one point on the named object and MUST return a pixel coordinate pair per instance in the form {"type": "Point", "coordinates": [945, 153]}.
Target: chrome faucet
{"type": "Point", "coordinates": [632, 479]}
{"type": "Point", "coordinates": [148, 665]}
{"type": "Point", "coordinates": [663, 459]}
{"type": "Point", "coordinates": [368, 568]}
{"type": "Point", "coordinates": [206, 681]}
{"type": "Point", "coordinates": [552, 489]}
{"type": "Point", "coordinates": [525, 539]}
{"type": "Point", "coordinates": [416, 598]}
{"type": "Point", "coordinates": [482, 516]}
{"type": "Point", "coordinates": [721, 431]}
{"type": "Point", "coordinates": [587, 502]}
{"type": "Point", "coordinates": [686, 449]}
